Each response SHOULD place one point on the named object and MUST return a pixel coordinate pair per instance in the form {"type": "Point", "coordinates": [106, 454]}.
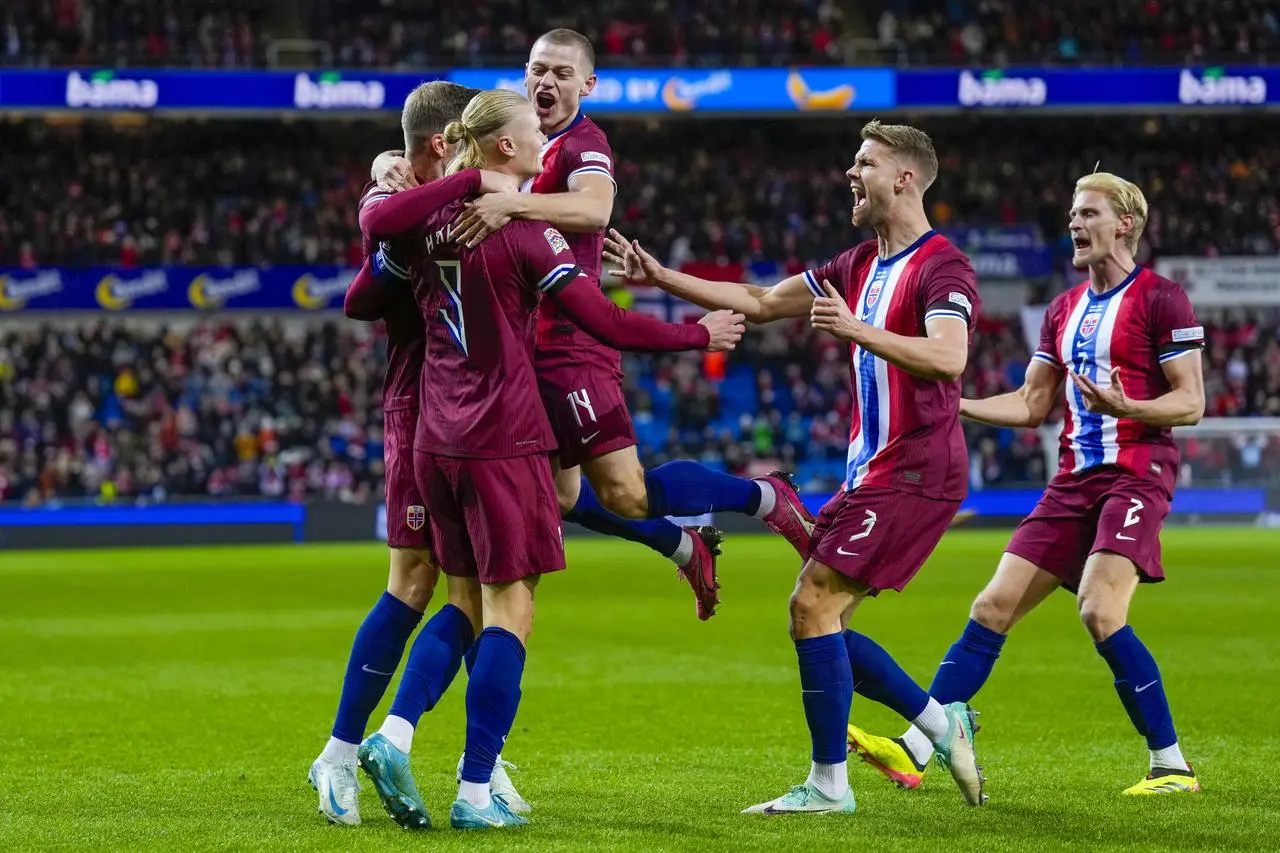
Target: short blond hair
{"type": "Point", "coordinates": [1125, 199]}
{"type": "Point", "coordinates": [430, 107]}
{"type": "Point", "coordinates": [489, 112]}
{"type": "Point", "coordinates": [909, 142]}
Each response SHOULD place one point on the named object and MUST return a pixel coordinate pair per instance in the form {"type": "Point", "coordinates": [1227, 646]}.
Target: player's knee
{"type": "Point", "coordinates": [991, 610]}
{"type": "Point", "coordinates": [1100, 617]}
{"type": "Point", "coordinates": [413, 577]}
{"type": "Point", "coordinates": [808, 610]}
{"type": "Point", "coordinates": [627, 498]}
{"type": "Point", "coordinates": [566, 501]}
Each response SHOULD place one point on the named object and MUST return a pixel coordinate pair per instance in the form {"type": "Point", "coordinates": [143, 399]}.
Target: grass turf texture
{"type": "Point", "coordinates": [174, 699]}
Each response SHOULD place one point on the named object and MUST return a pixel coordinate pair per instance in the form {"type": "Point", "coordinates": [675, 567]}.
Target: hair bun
{"type": "Point", "coordinates": [455, 132]}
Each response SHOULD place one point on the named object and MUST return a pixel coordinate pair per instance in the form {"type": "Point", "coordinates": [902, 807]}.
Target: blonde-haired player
{"type": "Point", "coordinates": [1128, 345]}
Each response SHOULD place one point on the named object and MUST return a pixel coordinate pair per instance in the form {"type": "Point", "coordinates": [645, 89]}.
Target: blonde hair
{"type": "Point", "coordinates": [489, 112]}
{"type": "Point", "coordinates": [1125, 199]}
{"type": "Point", "coordinates": [428, 108]}
{"type": "Point", "coordinates": [910, 142]}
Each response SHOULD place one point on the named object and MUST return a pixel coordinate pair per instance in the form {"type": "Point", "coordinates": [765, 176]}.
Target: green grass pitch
{"type": "Point", "coordinates": [174, 699]}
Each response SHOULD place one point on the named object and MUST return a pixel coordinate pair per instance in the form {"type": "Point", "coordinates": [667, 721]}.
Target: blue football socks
{"type": "Point", "coordinates": [375, 654]}
{"type": "Point", "coordinates": [967, 664]}
{"type": "Point", "coordinates": [826, 686]}
{"type": "Point", "coordinates": [493, 695]}
{"type": "Point", "coordinates": [877, 676]}
{"type": "Point", "coordinates": [434, 660]}
{"type": "Point", "coordinates": [657, 533]}
{"type": "Point", "coordinates": [1141, 690]}
{"type": "Point", "coordinates": [683, 488]}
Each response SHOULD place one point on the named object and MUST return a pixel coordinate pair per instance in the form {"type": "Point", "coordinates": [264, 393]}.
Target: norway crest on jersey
{"type": "Point", "coordinates": [1089, 324]}
{"type": "Point", "coordinates": [415, 517]}
{"type": "Point", "coordinates": [874, 289]}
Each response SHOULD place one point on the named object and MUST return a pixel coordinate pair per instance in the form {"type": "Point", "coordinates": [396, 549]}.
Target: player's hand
{"type": "Point", "coordinates": [726, 330]}
{"type": "Point", "coordinates": [630, 262]}
{"type": "Point", "coordinates": [393, 174]}
{"type": "Point", "coordinates": [831, 314]}
{"type": "Point", "coordinates": [486, 214]}
{"type": "Point", "coordinates": [1104, 401]}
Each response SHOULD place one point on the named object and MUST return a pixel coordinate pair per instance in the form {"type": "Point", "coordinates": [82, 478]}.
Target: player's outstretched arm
{"type": "Point", "coordinates": [1181, 405]}
{"type": "Point", "coordinates": [789, 298]}
{"type": "Point", "coordinates": [397, 213]}
{"type": "Point", "coordinates": [585, 208]}
{"type": "Point", "coordinates": [588, 307]}
{"type": "Point", "coordinates": [1026, 407]}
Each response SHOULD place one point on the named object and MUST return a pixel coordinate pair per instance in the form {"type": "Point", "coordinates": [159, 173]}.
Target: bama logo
{"type": "Point", "coordinates": [1214, 86]}
{"type": "Point", "coordinates": [14, 293]}
{"type": "Point", "coordinates": [314, 293]}
{"type": "Point", "coordinates": [681, 95]}
{"type": "Point", "coordinates": [116, 294]}
{"type": "Point", "coordinates": [102, 90]}
{"type": "Point", "coordinates": [328, 91]}
{"type": "Point", "coordinates": [209, 293]}
{"type": "Point", "coordinates": [994, 89]}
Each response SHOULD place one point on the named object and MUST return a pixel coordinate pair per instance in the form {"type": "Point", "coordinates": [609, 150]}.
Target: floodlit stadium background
{"type": "Point", "coordinates": [180, 182]}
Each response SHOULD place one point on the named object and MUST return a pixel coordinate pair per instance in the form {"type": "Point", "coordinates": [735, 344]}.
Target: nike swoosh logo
{"type": "Point", "coordinates": [593, 435]}
{"type": "Point", "coordinates": [1125, 538]}
{"type": "Point", "coordinates": [1144, 687]}
{"type": "Point", "coordinates": [366, 668]}
{"type": "Point", "coordinates": [846, 553]}
{"type": "Point", "coordinates": [333, 801]}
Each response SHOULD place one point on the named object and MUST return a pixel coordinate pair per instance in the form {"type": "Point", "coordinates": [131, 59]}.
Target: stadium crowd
{"type": "Point", "coordinates": [291, 410]}
{"type": "Point", "coordinates": [282, 193]}
{"type": "Point", "coordinates": [419, 33]}
{"type": "Point", "coordinates": [413, 33]}
{"type": "Point", "coordinates": [1004, 32]}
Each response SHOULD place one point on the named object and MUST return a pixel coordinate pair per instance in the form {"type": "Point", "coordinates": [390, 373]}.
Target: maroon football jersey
{"type": "Point", "coordinates": [480, 306]}
{"type": "Point", "coordinates": [405, 329]}
{"type": "Point", "coordinates": [579, 149]}
{"type": "Point", "coordinates": [905, 432]}
{"type": "Point", "coordinates": [1138, 326]}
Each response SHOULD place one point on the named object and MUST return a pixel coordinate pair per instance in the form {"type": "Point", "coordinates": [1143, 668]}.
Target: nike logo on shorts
{"type": "Point", "coordinates": [841, 550]}
{"type": "Point", "coordinates": [593, 435]}
{"type": "Point", "coordinates": [1125, 538]}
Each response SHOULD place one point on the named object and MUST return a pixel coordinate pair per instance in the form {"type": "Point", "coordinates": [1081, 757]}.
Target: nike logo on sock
{"type": "Point", "coordinates": [1144, 687]}
{"type": "Point", "coordinates": [366, 668]}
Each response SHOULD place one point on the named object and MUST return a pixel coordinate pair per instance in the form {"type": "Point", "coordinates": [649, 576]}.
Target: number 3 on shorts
{"type": "Point", "coordinates": [451, 281]}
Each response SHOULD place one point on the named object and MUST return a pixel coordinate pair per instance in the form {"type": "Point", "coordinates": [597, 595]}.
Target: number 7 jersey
{"type": "Point", "coordinates": [479, 392]}
{"type": "Point", "coordinates": [1138, 326]}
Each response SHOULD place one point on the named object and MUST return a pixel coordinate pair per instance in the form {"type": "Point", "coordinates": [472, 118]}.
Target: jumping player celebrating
{"type": "Point", "coordinates": [906, 302]}
{"type": "Point", "coordinates": [1128, 344]}
{"type": "Point", "coordinates": [482, 441]}
{"type": "Point", "coordinates": [580, 379]}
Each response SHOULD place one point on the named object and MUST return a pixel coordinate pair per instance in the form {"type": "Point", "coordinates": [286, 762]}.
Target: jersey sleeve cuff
{"type": "Point", "coordinates": [811, 281]}
{"type": "Point", "coordinates": [559, 278]}
{"type": "Point", "coordinates": [1171, 355]}
{"type": "Point", "coordinates": [1047, 358]}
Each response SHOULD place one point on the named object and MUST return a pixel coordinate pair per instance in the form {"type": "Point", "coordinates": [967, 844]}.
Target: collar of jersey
{"type": "Point", "coordinates": [576, 120]}
{"type": "Point", "coordinates": [1128, 280]}
{"type": "Point", "coordinates": [920, 241]}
